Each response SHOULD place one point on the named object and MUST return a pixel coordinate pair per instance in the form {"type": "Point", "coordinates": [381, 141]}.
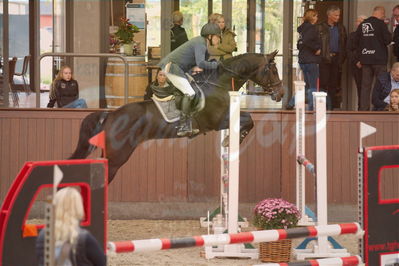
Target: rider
{"type": "Point", "coordinates": [189, 56]}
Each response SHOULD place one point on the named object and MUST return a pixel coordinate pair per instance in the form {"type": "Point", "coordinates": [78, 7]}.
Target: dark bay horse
{"type": "Point", "coordinates": [134, 123]}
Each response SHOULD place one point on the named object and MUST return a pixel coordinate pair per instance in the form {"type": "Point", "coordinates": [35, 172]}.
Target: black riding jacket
{"type": "Point", "coordinates": [372, 38]}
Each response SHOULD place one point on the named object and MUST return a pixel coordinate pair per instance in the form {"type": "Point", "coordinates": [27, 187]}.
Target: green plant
{"type": "Point", "coordinates": [126, 31]}
{"type": "Point", "coordinates": [275, 213]}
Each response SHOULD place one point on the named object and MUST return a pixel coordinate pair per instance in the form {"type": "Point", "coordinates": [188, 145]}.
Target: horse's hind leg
{"type": "Point", "coordinates": [117, 159]}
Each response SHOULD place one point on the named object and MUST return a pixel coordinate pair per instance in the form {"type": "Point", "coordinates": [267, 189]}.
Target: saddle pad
{"type": "Point", "coordinates": [167, 108]}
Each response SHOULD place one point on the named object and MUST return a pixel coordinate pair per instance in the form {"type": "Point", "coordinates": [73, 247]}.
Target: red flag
{"type": "Point", "coordinates": [99, 141]}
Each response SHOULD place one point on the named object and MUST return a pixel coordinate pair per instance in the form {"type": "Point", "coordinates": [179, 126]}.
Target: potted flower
{"type": "Point", "coordinates": [274, 213]}
{"type": "Point", "coordinates": [125, 34]}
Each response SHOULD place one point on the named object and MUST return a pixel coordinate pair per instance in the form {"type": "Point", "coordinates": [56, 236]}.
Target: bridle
{"type": "Point", "coordinates": [267, 69]}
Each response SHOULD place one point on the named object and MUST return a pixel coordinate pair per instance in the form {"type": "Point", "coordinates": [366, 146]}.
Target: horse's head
{"type": "Point", "coordinates": [267, 77]}
{"type": "Point", "coordinates": [259, 68]}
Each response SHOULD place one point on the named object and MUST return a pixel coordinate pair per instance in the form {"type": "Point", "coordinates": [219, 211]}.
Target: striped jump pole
{"type": "Point", "coordinates": [147, 245]}
{"type": "Point", "coordinates": [308, 165]}
{"type": "Point", "coordinates": [344, 261]}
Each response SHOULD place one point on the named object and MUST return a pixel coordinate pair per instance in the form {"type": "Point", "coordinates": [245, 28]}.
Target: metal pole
{"type": "Point", "coordinates": [37, 72]}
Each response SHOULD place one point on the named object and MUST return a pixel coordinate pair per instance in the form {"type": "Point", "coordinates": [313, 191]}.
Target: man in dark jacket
{"type": "Point", "coordinates": [178, 34]}
{"type": "Point", "coordinates": [372, 38]}
{"type": "Point", "coordinates": [353, 58]}
{"type": "Point", "coordinates": [333, 53]}
{"type": "Point", "coordinates": [385, 82]}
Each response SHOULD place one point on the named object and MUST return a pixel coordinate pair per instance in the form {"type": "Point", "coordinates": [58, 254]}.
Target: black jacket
{"type": "Point", "coordinates": [88, 251]}
{"type": "Point", "coordinates": [353, 56]}
{"type": "Point", "coordinates": [382, 88]}
{"type": "Point", "coordinates": [372, 38]}
{"type": "Point", "coordinates": [308, 44]}
{"type": "Point", "coordinates": [178, 36]}
{"type": "Point", "coordinates": [65, 92]}
{"type": "Point", "coordinates": [324, 31]}
{"type": "Point", "coordinates": [396, 40]}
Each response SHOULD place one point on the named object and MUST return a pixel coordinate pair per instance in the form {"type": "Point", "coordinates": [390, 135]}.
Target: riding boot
{"type": "Point", "coordinates": [185, 129]}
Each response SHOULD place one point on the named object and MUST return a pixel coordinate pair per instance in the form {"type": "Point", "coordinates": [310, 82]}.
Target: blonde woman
{"type": "Point", "coordinates": [65, 91]}
{"type": "Point", "coordinates": [393, 101]}
{"type": "Point", "coordinates": [221, 48]}
{"type": "Point", "coordinates": [82, 247]}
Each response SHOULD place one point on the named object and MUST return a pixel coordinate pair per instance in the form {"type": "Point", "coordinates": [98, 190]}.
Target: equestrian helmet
{"type": "Point", "coordinates": [210, 29]}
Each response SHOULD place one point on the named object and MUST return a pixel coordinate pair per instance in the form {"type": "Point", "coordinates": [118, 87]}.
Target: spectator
{"type": "Point", "coordinates": [161, 87]}
{"type": "Point", "coordinates": [178, 34]}
{"type": "Point", "coordinates": [395, 14]}
{"type": "Point", "coordinates": [73, 243]}
{"type": "Point", "coordinates": [309, 55]}
{"type": "Point", "coordinates": [223, 48]}
{"type": "Point", "coordinates": [394, 101]}
{"type": "Point", "coordinates": [191, 56]}
{"type": "Point", "coordinates": [65, 91]}
{"type": "Point", "coordinates": [333, 53]}
{"type": "Point", "coordinates": [385, 83]}
{"type": "Point", "coordinates": [353, 58]}
{"type": "Point", "coordinates": [372, 38]}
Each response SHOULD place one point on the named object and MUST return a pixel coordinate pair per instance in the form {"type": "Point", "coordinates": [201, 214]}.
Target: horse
{"type": "Point", "coordinates": [133, 123]}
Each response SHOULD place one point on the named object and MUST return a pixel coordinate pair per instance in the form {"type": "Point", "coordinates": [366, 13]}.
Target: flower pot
{"type": "Point", "coordinates": [128, 48]}
{"type": "Point", "coordinates": [277, 251]}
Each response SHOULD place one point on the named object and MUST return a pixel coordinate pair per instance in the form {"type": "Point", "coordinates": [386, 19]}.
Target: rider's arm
{"type": "Point", "coordinates": [200, 51]}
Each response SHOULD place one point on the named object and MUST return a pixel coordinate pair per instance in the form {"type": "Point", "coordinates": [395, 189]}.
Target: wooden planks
{"type": "Point", "coordinates": [187, 170]}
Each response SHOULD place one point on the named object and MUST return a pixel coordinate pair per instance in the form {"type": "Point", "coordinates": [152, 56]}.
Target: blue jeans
{"type": "Point", "coordinates": [310, 74]}
{"type": "Point", "coordinates": [79, 103]}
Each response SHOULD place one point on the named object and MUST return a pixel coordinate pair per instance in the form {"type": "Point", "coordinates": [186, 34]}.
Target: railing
{"type": "Point", "coordinates": [37, 72]}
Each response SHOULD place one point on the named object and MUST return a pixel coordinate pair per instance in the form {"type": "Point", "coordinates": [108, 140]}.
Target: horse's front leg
{"type": "Point", "coordinates": [246, 124]}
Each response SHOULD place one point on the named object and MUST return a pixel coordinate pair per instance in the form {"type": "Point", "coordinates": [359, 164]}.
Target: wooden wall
{"type": "Point", "coordinates": [183, 170]}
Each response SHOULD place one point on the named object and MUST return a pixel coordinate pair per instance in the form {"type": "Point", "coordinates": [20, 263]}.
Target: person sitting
{"type": "Point", "coordinates": [221, 48]}
{"type": "Point", "coordinates": [80, 246]}
{"type": "Point", "coordinates": [178, 34]}
{"type": "Point", "coordinates": [393, 101]}
{"type": "Point", "coordinates": [191, 56]}
{"type": "Point", "coordinates": [65, 91]}
{"type": "Point", "coordinates": [384, 84]}
{"type": "Point", "coordinates": [161, 87]}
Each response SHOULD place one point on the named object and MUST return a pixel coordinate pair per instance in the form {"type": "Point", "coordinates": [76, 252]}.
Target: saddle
{"type": "Point", "coordinates": [170, 106]}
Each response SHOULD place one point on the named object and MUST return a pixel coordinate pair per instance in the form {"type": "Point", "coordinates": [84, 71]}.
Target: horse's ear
{"type": "Point", "coordinates": [272, 55]}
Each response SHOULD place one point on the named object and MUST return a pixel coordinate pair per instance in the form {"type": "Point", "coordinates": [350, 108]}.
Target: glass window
{"type": "Point", "coordinates": [153, 10]}
{"type": "Point", "coordinates": [46, 44]}
{"type": "Point", "coordinates": [239, 25]}
{"type": "Point", "coordinates": [217, 6]}
{"type": "Point", "coordinates": [195, 14]}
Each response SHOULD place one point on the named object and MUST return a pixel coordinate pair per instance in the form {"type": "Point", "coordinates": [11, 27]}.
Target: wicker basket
{"type": "Point", "coordinates": [277, 251]}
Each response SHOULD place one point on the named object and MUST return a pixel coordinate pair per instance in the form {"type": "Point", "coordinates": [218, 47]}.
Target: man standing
{"type": "Point", "coordinates": [333, 53]}
{"type": "Point", "coordinates": [395, 15]}
{"type": "Point", "coordinates": [372, 38]}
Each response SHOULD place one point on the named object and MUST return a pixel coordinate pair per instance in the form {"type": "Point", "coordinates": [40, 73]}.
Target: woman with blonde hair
{"type": "Point", "coordinates": [80, 246]}
{"type": "Point", "coordinates": [393, 101]}
{"type": "Point", "coordinates": [178, 34]}
{"type": "Point", "coordinates": [309, 46]}
{"type": "Point", "coordinates": [221, 48]}
{"type": "Point", "coordinates": [65, 91]}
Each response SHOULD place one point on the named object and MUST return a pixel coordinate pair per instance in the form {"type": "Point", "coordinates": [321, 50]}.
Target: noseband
{"type": "Point", "coordinates": [240, 77]}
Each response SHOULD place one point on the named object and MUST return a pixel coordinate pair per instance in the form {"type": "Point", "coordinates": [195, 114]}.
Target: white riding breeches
{"type": "Point", "coordinates": [178, 78]}
{"type": "Point", "coordinates": [181, 83]}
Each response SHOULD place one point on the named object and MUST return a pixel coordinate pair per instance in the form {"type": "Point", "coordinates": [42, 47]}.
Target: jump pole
{"type": "Point", "coordinates": [229, 198]}
{"type": "Point", "coordinates": [343, 261]}
{"type": "Point", "coordinates": [148, 245]}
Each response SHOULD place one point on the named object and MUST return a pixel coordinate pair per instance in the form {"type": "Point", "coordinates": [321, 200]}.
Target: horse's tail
{"type": "Point", "coordinates": [91, 125]}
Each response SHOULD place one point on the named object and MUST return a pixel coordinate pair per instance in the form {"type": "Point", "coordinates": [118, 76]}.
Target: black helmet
{"type": "Point", "coordinates": [210, 29]}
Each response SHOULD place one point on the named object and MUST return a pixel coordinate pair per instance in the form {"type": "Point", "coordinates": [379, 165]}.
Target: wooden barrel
{"type": "Point", "coordinates": [115, 83]}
